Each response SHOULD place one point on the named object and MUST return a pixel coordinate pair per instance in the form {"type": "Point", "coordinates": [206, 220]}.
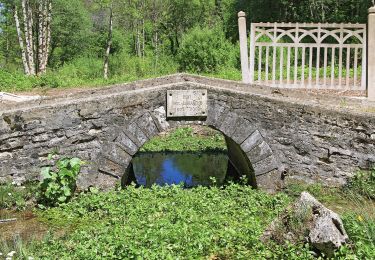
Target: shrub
{"type": "Point", "coordinates": [205, 50]}
{"type": "Point", "coordinates": [58, 186]}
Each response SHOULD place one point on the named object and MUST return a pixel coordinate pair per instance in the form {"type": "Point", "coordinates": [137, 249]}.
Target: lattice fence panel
{"type": "Point", "coordinates": [317, 56]}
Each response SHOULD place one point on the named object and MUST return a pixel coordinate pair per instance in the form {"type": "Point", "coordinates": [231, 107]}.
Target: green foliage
{"type": "Point", "coordinates": [184, 139]}
{"type": "Point", "coordinates": [363, 183]}
{"type": "Point", "coordinates": [205, 50]}
{"type": "Point", "coordinates": [72, 34]}
{"type": "Point", "coordinates": [13, 196]}
{"type": "Point", "coordinates": [87, 72]}
{"type": "Point", "coordinates": [58, 186]}
{"type": "Point", "coordinates": [163, 223]}
{"type": "Point", "coordinates": [359, 222]}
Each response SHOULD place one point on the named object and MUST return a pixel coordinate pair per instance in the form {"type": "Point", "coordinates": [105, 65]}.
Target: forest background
{"type": "Point", "coordinates": [76, 43]}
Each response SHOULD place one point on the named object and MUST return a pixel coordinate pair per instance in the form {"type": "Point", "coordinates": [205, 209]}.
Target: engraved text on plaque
{"type": "Point", "coordinates": [187, 103]}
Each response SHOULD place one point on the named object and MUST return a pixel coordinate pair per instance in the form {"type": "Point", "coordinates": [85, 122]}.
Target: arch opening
{"type": "Point", "coordinates": [248, 151]}
{"type": "Point", "coordinates": [190, 155]}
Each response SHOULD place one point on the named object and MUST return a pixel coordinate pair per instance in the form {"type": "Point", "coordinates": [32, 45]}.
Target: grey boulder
{"type": "Point", "coordinates": [307, 220]}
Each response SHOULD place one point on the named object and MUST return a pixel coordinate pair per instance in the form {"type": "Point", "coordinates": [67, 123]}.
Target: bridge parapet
{"type": "Point", "coordinates": [306, 137]}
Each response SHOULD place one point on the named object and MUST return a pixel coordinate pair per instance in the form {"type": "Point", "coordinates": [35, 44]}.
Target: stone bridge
{"type": "Point", "coordinates": [271, 134]}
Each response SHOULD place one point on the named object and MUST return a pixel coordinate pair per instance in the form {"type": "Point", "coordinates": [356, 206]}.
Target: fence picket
{"type": "Point", "coordinates": [303, 66]}
{"type": "Point", "coordinates": [274, 66]}
{"type": "Point", "coordinates": [267, 55]}
{"type": "Point", "coordinates": [310, 65]}
{"type": "Point", "coordinates": [281, 65]}
{"type": "Point", "coordinates": [333, 68]}
{"type": "Point", "coordinates": [325, 66]}
{"type": "Point", "coordinates": [295, 65]}
{"type": "Point", "coordinates": [355, 67]}
{"type": "Point", "coordinates": [317, 67]}
{"type": "Point", "coordinates": [340, 66]}
{"type": "Point", "coordinates": [288, 67]}
{"type": "Point", "coordinates": [347, 67]}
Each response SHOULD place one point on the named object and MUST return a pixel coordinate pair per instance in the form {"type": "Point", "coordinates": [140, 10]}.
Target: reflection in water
{"type": "Point", "coordinates": [191, 169]}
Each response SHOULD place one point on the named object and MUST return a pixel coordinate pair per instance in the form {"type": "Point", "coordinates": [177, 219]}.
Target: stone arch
{"type": "Point", "coordinates": [248, 151]}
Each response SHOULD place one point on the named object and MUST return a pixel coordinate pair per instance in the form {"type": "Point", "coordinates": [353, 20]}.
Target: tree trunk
{"type": "Point", "coordinates": [28, 36]}
{"type": "Point", "coordinates": [36, 52]}
{"type": "Point", "coordinates": [138, 40]}
{"type": "Point", "coordinates": [20, 40]}
{"type": "Point", "coordinates": [46, 32]}
{"type": "Point", "coordinates": [40, 36]}
{"type": "Point", "coordinates": [109, 43]}
{"type": "Point", "coordinates": [143, 37]}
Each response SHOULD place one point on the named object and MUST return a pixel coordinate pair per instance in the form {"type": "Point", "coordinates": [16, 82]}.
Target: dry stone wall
{"type": "Point", "coordinates": [281, 134]}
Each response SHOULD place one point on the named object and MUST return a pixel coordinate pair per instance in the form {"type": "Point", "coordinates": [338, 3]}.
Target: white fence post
{"type": "Point", "coordinates": [243, 47]}
{"type": "Point", "coordinates": [371, 55]}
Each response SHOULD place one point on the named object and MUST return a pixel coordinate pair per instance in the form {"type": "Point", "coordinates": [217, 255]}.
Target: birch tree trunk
{"type": "Point", "coordinates": [109, 43]}
{"type": "Point", "coordinates": [45, 17]}
{"type": "Point", "coordinates": [40, 35]}
{"type": "Point", "coordinates": [20, 40]}
{"type": "Point", "coordinates": [35, 52]}
{"type": "Point", "coordinates": [27, 19]}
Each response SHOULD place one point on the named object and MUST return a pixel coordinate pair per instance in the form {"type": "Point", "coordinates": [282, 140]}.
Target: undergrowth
{"type": "Point", "coordinates": [16, 197]}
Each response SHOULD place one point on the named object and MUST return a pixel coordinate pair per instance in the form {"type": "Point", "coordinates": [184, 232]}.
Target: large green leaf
{"type": "Point", "coordinates": [67, 191]}
{"type": "Point", "coordinates": [63, 163]}
{"type": "Point", "coordinates": [45, 172]}
{"type": "Point", "coordinates": [75, 162]}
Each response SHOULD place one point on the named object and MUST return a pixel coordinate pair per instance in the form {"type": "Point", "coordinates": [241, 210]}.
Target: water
{"type": "Point", "coordinates": [190, 169]}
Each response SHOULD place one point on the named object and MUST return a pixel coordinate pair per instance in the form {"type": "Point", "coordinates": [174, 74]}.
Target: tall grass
{"type": "Point", "coordinates": [88, 72]}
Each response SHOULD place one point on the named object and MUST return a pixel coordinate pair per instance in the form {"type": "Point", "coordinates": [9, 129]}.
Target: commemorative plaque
{"type": "Point", "coordinates": [187, 103]}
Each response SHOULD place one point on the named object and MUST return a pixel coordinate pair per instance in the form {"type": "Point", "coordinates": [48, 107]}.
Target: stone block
{"type": "Point", "coordinates": [147, 124]}
{"type": "Point", "coordinates": [228, 121]}
{"type": "Point", "coordinates": [253, 140]}
{"type": "Point", "coordinates": [215, 112]}
{"type": "Point", "coordinates": [243, 129]}
{"type": "Point", "coordinates": [160, 118]}
{"type": "Point", "coordinates": [259, 152]}
{"type": "Point", "coordinates": [126, 143]}
{"type": "Point", "coordinates": [134, 130]}
{"type": "Point", "coordinates": [114, 153]}
{"type": "Point", "coordinates": [264, 166]}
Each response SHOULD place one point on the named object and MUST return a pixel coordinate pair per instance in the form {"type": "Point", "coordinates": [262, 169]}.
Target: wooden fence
{"type": "Point", "coordinates": [308, 55]}
{"type": "Point", "coordinates": [305, 55]}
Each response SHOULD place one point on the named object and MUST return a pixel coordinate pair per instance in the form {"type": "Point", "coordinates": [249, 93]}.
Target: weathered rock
{"type": "Point", "coordinates": [307, 220]}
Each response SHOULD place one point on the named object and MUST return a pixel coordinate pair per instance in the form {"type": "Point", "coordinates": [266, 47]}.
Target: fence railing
{"type": "Point", "coordinates": [308, 55]}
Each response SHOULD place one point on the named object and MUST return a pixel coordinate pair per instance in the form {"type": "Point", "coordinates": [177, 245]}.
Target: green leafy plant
{"type": "Point", "coordinates": [364, 183]}
{"type": "Point", "coordinates": [58, 186]}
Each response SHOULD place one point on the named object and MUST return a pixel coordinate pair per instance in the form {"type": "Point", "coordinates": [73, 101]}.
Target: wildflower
{"type": "Point", "coordinates": [360, 218]}
{"type": "Point", "coordinates": [11, 253]}
{"type": "Point", "coordinates": [31, 258]}
{"type": "Point", "coordinates": [1, 254]}
{"type": "Point", "coordinates": [9, 194]}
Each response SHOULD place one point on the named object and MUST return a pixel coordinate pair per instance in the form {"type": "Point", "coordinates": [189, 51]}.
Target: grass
{"type": "Point", "coordinates": [187, 139]}
{"type": "Point", "coordinates": [16, 197]}
{"type": "Point", "coordinates": [199, 223]}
